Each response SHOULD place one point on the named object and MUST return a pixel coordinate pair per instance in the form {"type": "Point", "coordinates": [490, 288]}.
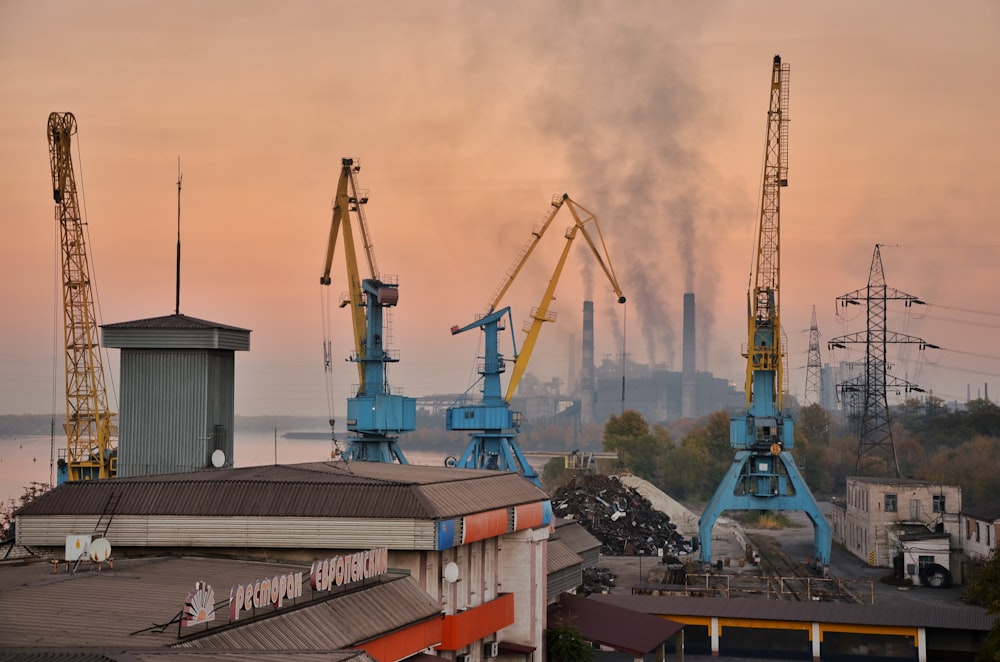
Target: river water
{"type": "Point", "coordinates": [27, 459]}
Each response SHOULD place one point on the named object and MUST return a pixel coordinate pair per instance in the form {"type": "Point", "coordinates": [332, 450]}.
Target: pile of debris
{"type": "Point", "coordinates": [620, 517]}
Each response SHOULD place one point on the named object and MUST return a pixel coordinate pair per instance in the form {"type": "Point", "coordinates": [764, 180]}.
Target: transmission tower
{"type": "Point", "coordinates": [814, 366]}
{"type": "Point", "coordinates": [876, 450]}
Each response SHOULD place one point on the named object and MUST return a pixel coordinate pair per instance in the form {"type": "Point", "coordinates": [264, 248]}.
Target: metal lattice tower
{"type": "Point", "coordinates": [876, 450]}
{"type": "Point", "coordinates": [814, 366]}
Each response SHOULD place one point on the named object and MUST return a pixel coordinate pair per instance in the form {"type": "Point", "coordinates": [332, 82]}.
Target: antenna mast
{"type": "Point", "coordinates": [177, 290]}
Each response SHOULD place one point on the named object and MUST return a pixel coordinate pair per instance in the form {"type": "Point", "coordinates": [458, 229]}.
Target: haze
{"type": "Point", "coordinates": [467, 117]}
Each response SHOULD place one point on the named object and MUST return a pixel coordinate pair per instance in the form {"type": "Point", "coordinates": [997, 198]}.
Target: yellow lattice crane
{"type": "Point", "coordinates": [763, 474]}
{"type": "Point", "coordinates": [91, 432]}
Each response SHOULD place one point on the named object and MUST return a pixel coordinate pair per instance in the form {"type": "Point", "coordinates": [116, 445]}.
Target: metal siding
{"type": "Point", "coordinates": [163, 413]}
{"type": "Point", "coordinates": [220, 404]}
{"type": "Point", "coordinates": [175, 335]}
{"type": "Point", "coordinates": [276, 533]}
{"type": "Point", "coordinates": [562, 581]}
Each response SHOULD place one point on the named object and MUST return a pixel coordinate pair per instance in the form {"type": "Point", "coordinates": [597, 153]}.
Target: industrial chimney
{"type": "Point", "coordinates": [688, 387]}
{"type": "Point", "coordinates": [587, 381]}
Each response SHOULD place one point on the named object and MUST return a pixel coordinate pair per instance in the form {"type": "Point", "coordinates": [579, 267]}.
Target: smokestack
{"type": "Point", "coordinates": [587, 384]}
{"type": "Point", "coordinates": [688, 390]}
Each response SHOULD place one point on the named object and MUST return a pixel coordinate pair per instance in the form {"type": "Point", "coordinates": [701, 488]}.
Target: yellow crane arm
{"type": "Point", "coordinates": [541, 314]}
{"type": "Point", "coordinates": [347, 200]}
{"type": "Point", "coordinates": [764, 345]}
{"type": "Point", "coordinates": [522, 257]}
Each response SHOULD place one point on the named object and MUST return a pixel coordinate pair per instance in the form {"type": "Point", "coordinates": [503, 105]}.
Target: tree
{"type": "Point", "coordinates": [554, 474]}
{"type": "Point", "coordinates": [984, 589]}
{"type": "Point", "coordinates": [8, 511]}
{"type": "Point", "coordinates": [566, 644]}
{"type": "Point", "coordinates": [629, 436]}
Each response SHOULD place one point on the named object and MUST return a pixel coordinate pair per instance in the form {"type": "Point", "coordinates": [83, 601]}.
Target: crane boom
{"type": "Point", "coordinates": [91, 450]}
{"type": "Point", "coordinates": [764, 338]}
{"type": "Point", "coordinates": [763, 474]}
{"type": "Point", "coordinates": [540, 315]}
{"type": "Point", "coordinates": [346, 201]}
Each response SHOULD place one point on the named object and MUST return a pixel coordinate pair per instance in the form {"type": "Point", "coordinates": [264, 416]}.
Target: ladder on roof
{"type": "Point", "coordinates": [109, 512]}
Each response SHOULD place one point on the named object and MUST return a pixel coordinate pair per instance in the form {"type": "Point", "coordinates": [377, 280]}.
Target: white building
{"type": "Point", "coordinates": [879, 518]}
{"type": "Point", "coordinates": [980, 527]}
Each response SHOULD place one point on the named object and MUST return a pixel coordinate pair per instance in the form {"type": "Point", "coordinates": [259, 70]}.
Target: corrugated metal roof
{"type": "Point", "coordinates": [319, 489]}
{"type": "Point", "coordinates": [617, 627]}
{"type": "Point", "coordinates": [397, 604]}
{"type": "Point", "coordinates": [879, 480]}
{"type": "Point", "coordinates": [120, 608]}
{"type": "Point", "coordinates": [561, 556]}
{"type": "Point", "coordinates": [575, 536]}
{"type": "Point", "coordinates": [118, 655]}
{"type": "Point", "coordinates": [184, 322]}
{"type": "Point", "coordinates": [954, 618]}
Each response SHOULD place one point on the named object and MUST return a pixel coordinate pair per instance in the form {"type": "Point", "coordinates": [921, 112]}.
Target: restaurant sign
{"type": "Point", "coordinates": [324, 575]}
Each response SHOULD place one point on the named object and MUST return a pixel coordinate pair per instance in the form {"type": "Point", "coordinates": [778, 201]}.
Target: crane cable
{"type": "Point", "coordinates": [92, 265]}
{"type": "Point", "coordinates": [327, 325]}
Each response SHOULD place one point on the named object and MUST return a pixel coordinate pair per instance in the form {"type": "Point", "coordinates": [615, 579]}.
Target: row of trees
{"type": "Point", "coordinates": [689, 459]}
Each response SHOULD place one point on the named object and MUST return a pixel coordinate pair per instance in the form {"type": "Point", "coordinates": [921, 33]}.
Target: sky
{"type": "Point", "coordinates": [467, 118]}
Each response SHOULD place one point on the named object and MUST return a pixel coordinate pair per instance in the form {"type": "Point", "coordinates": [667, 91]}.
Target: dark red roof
{"type": "Point", "coordinates": [616, 627]}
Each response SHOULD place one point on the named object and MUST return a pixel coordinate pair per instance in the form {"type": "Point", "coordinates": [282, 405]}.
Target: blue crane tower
{"type": "Point", "coordinates": [493, 424]}
{"type": "Point", "coordinates": [763, 475]}
{"type": "Point", "coordinates": [375, 415]}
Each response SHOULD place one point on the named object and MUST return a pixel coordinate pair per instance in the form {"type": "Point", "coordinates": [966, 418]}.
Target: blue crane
{"type": "Point", "coordinates": [493, 424]}
{"type": "Point", "coordinates": [375, 415]}
{"type": "Point", "coordinates": [763, 475]}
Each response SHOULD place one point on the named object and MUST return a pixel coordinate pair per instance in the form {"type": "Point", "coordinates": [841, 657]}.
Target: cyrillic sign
{"type": "Point", "coordinates": [339, 570]}
{"type": "Point", "coordinates": [264, 592]}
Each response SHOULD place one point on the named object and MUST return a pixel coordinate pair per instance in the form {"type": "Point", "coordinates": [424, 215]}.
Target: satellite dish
{"type": "Point", "coordinates": [218, 458]}
{"type": "Point", "coordinates": [100, 550]}
{"type": "Point", "coordinates": [451, 572]}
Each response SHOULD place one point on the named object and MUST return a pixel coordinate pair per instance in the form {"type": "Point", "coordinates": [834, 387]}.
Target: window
{"type": "Point", "coordinates": [890, 503]}
{"type": "Point", "coordinates": [977, 531]}
{"type": "Point", "coordinates": [938, 504]}
{"type": "Point", "coordinates": [924, 561]}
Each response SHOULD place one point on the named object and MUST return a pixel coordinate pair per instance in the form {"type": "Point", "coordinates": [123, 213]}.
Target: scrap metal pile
{"type": "Point", "coordinates": [620, 517]}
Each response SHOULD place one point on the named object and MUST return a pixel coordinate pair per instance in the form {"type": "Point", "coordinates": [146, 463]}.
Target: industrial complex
{"type": "Point", "coordinates": [154, 545]}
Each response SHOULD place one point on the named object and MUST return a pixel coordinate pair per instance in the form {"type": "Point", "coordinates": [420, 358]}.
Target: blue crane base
{"type": "Point", "coordinates": [374, 450]}
{"type": "Point", "coordinates": [762, 481]}
{"type": "Point", "coordinates": [498, 452]}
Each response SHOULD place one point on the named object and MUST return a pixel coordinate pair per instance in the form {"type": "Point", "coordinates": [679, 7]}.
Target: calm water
{"type": "Point", "coordinates": [28, 459]}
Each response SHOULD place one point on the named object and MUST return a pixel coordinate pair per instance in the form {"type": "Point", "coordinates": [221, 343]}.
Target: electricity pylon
{"type": "Point", "coordinates": [814, 366]}
{"type": "Point", "coordinates": [876, 450]}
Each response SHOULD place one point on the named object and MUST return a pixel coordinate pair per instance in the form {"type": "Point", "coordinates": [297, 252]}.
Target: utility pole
{"type": "Point", "coordinates": [876, 450]}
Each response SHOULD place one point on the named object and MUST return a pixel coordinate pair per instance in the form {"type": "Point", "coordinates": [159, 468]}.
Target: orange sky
{"type": "Point", "coordinates": [467, 118]}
